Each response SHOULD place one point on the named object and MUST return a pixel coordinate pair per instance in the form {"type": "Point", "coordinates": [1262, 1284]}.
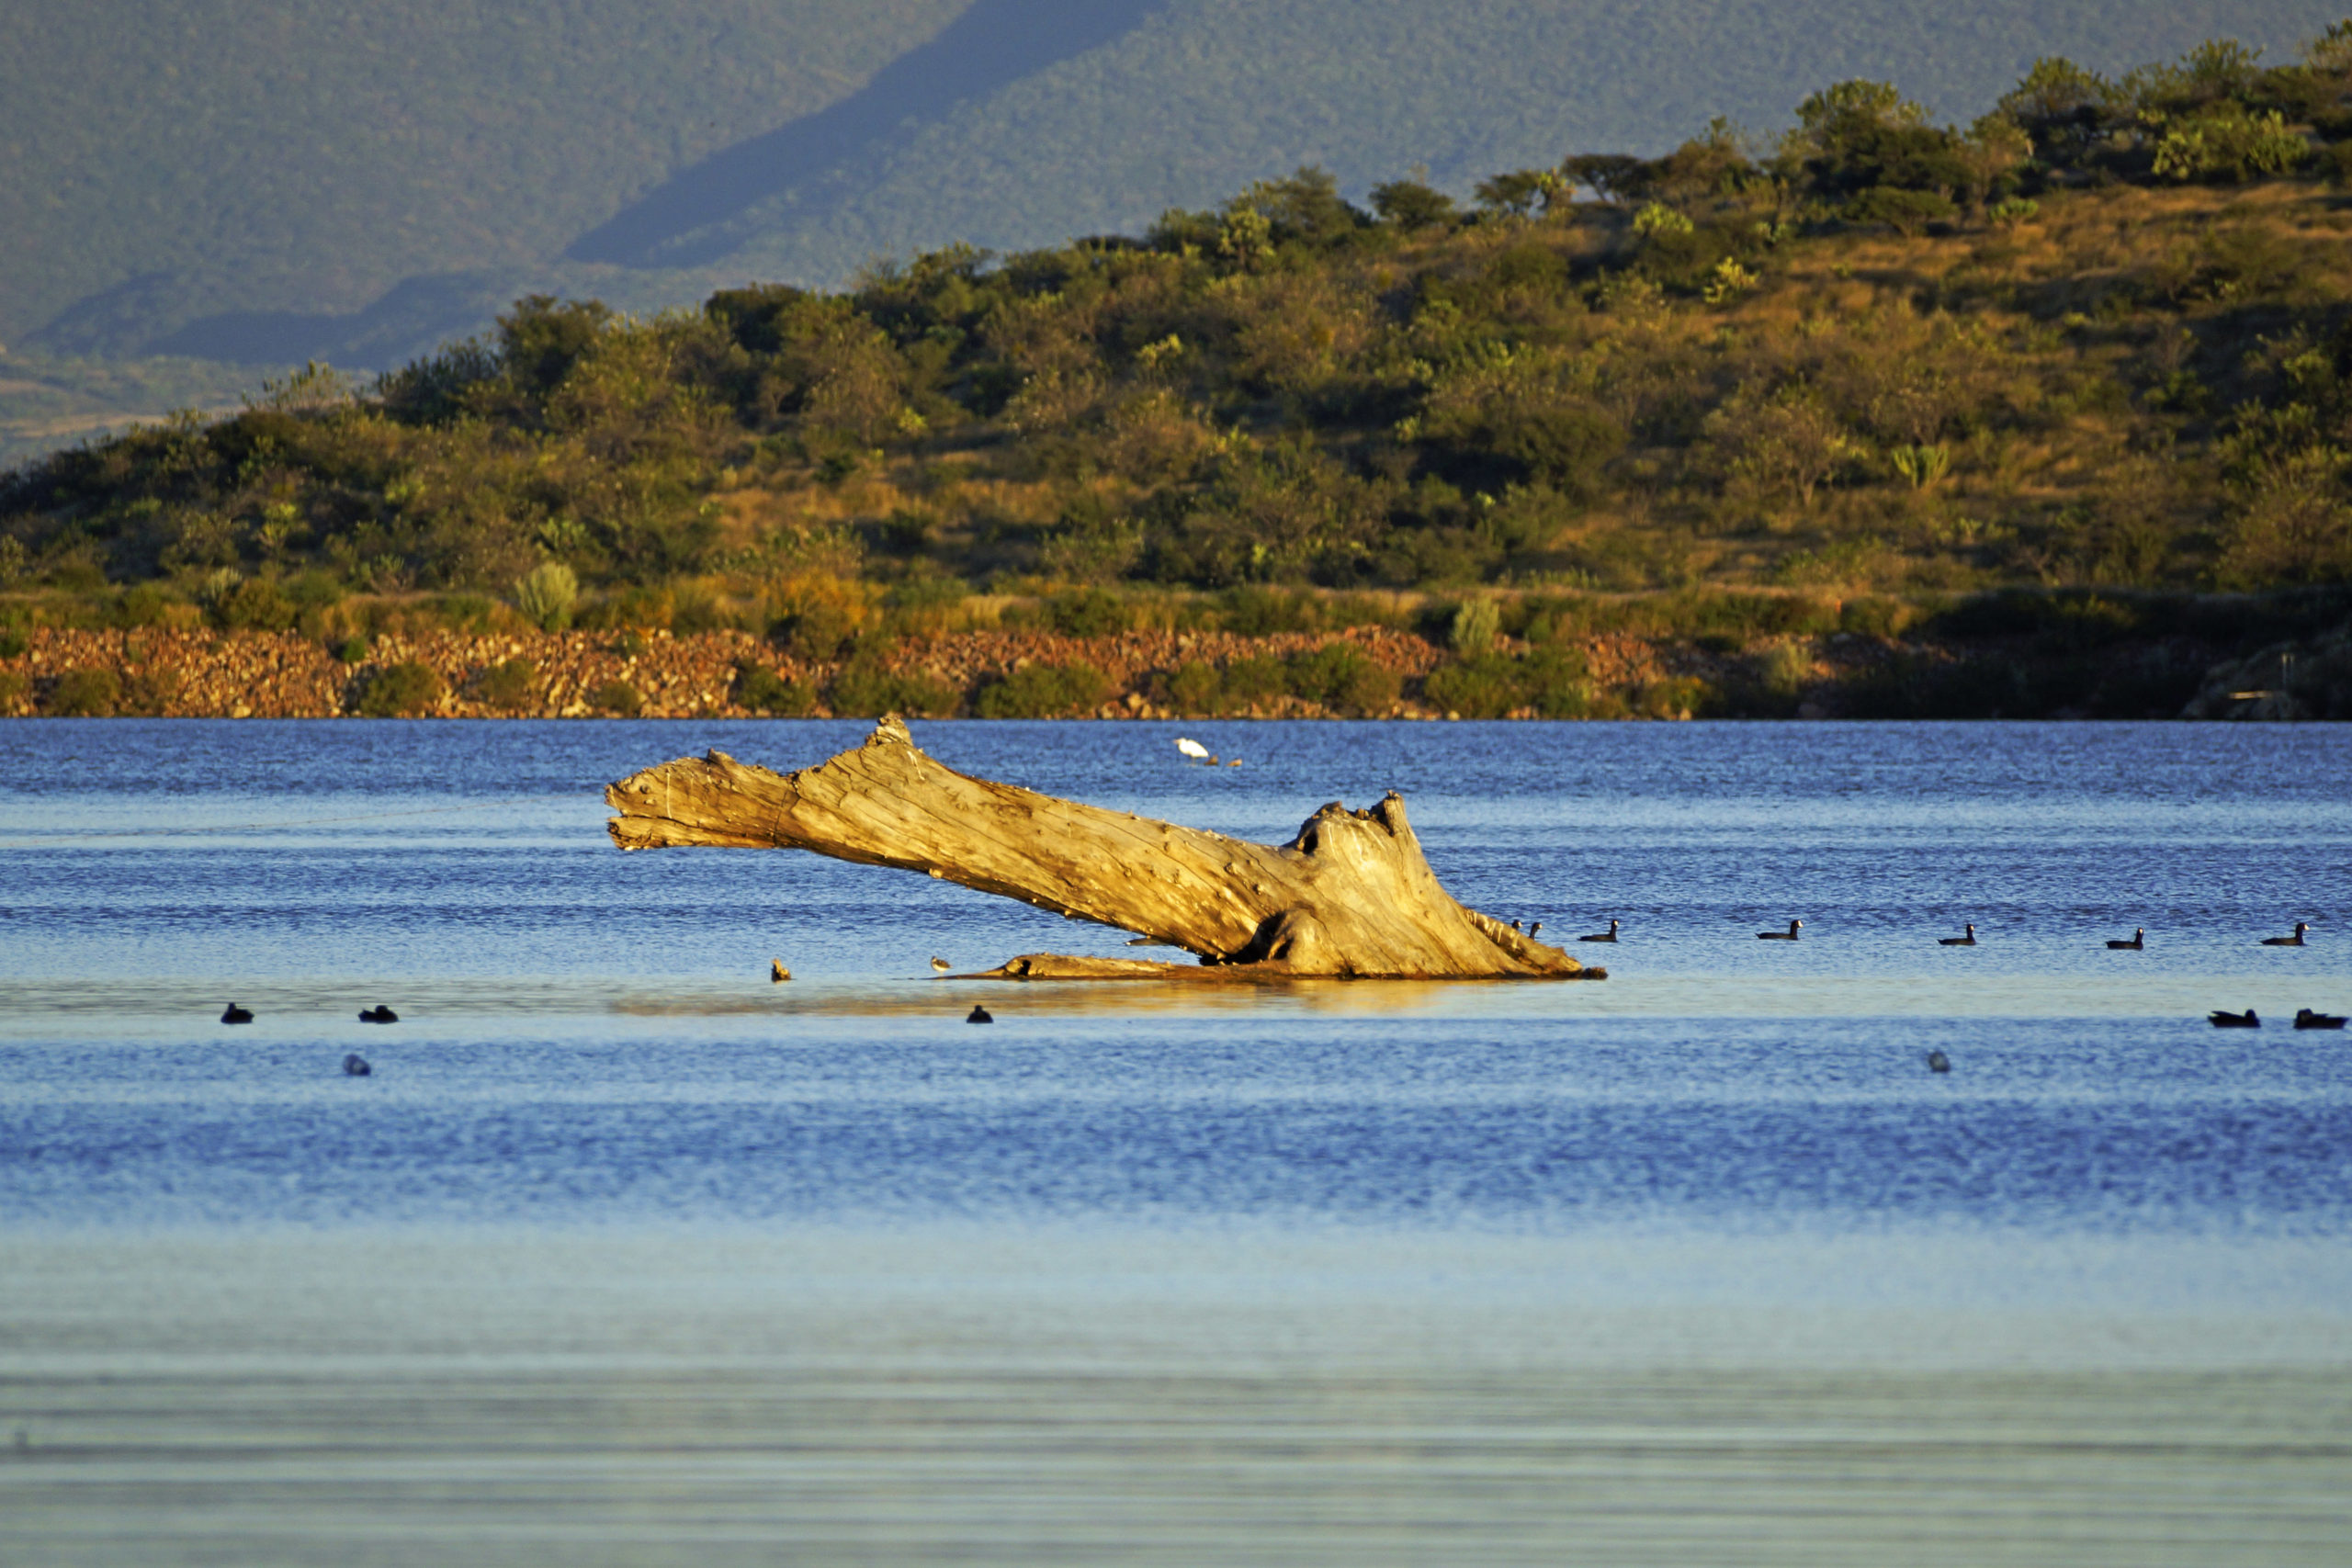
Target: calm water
{"type": "Point", "coordinates": [624, 1255]}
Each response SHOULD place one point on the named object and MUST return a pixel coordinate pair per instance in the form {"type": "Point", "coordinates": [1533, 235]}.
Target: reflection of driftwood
{"type": "Point", "coordinates": [1350, 896]}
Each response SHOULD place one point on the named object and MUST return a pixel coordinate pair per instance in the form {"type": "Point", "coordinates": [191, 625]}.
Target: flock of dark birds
{"type": "Point", "coordinates": [357, 1066]}
{"type": "Point", "coordinates": [2136, 943]}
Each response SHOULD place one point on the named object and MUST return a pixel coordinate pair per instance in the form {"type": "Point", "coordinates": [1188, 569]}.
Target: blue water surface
{"type": "Point", "coordinates": [588, 1037]}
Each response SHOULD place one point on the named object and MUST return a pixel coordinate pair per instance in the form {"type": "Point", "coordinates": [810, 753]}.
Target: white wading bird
{"type": "Point", "coordinates": [1194, 750]}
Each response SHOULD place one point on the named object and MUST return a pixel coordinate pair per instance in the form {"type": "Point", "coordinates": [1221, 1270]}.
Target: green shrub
{"type": "Point", "coordinates": [1193, 689]}
{"type": "Point", "coordinates": [1339, 676]}
{"type": "Point", "coordinates": [1874, 616]}
{"type": "Point", "coordinates": [924, 605]}
{"type": "Point", "coordinates": [759, 688]}
{"type": "Point", "coordinates": [1474, 627]}
{"type": "Point", "coordinates": [695, 610]}
{"type": "Point", "coordinates": [147, 692]}
{"type": "Point", "coordinates": [865, 689]}
{"type": "Point", "coordinates": [472, 613]}
{"type": "Point", "coordinates": [618, 697]}
{"type": "Point", "coordinates": [352, 651]}
{"type": "Point", "coordinates": [1556, 682]}
{"type": "Point", "coordinates": [256, 604]}
{"type": "Point", "coordinates": [142, 605]}
{"type": "Point", "coordinates": [816, 632]}
{"type": "Point", "coordinates": [1263, 611]}
{"type": "Point", "coordinates": [546, 595]}
{"type": "Point", "coordinates": [1089, 612]}
{"type": "Point", "coordinates": [1256, 680]}
{"type": "Point", "coordinates": [401, 691]}
{"type": "Point", "coordinates": [1906, 211]}
{"type": "Point", "coordinates": [1675, 697]}
{"type": "Point", "coordinates": [1486, 686]}
{"type": "Point", "coordinates": [84, 693]}
{"type": "Point", "coordinates": [16, 686]}
{"type": "Point", "coordinates": [509, 686]}
{"type": "Point", "coordinates": [1045, 690]}
{"type": "Point", "coordinates": [13, 640]}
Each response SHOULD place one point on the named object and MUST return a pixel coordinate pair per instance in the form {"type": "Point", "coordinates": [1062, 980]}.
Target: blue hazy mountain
{"type": "Point", "coordinates": [264, 181]}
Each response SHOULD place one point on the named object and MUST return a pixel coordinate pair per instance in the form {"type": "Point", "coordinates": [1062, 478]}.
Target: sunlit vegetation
{"type": "Point", "coordinates": [2095, 345]}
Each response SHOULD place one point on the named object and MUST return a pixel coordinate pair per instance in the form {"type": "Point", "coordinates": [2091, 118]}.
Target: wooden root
{"type": "Point", "coordinates": [1351, 896]}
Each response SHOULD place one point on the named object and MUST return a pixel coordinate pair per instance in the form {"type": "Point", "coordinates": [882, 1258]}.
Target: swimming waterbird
{"type": "Point", "coordinates": [1789, 935]}
{"type": "Point", "coordinates": [233, 1013]}
{"type": "Point", "coordinates": [1968, 940]}
{"type": "Point", "coordinates": [380, 1013]}
{"type": "Point", "coordinates": [2233, 1020]}
{"type": "Point", "coordinates": [2295, 941]}
{"type": "Point", "coordinates": [1937, 1062]}
{"type": "Point", "coordinates": [2306, 1019]}
{"type": "Point", "coordinates": [2138, 939]}
{"type": "Point", "coordinates": [1608, 935]}
{"type": "Point", "coordinates": [355, 1065]}
{"type": "Point", "coordinates": [980, 1015]}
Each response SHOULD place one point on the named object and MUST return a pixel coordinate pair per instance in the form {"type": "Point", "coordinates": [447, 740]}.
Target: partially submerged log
{"type": "Point", "coordinates": [1351, 896]}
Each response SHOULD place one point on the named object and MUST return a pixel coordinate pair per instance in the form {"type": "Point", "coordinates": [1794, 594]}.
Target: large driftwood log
{"type": "Point", "coordinates": [1351, 896]}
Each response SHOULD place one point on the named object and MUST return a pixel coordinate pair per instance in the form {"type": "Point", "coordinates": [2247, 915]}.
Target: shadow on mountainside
{"type": "Point", "coordinates": [992, 46]}
{"type": "Point", "coordinates": [681, 223]}
{"type": "Point", "coordinates": [151, 314]}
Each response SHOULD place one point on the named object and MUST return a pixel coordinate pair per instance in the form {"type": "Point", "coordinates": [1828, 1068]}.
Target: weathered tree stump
{"type": "Point", "coordinates": [1351, 896]}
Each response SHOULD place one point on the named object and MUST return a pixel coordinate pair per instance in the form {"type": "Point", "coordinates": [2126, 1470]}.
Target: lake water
{"type": "Point", "coordinates": [624, 1255]}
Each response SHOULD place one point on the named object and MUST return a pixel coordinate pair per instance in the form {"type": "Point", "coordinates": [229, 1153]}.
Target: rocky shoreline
{"type": "Point", "coordinates": [182, 673]}
{"type": "Point", "coordinates": [198, 673]}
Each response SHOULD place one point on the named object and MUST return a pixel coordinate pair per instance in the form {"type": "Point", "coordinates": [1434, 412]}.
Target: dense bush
{"type": "Point", "coordinates": [84, 693]}
{"type": "Point", "coordinates": [760, 689]}
{"type": "Point", "coordinates": [509, 687]}
{"type": "Point", "coordinates": [618, 698]}
{"type": "Point", "coordinates": [406, 690]}
{"type": "Point", "coordinates": [1344, 680]}
{"type": "Point", "coordinates": [865, 689]}
{"type": "Point", "coordinates": [1045, 690]}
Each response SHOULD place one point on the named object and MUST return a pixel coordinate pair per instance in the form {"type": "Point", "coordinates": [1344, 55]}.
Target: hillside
{"type": "Point", "coordinates": [1875, 377]}
{"type": "Point", "coordinates": [266, 182]}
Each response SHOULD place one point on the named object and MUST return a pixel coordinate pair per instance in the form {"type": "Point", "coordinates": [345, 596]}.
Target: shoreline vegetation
{"type": "Point", "coordinates": [2046, 416]}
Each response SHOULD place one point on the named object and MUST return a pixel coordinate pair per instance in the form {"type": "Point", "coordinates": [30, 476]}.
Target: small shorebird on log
{"type": "Point", "coordinates": [941, 966]}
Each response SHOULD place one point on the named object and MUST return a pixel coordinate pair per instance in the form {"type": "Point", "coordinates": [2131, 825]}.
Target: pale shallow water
{"type": "Point", "coordinates": [624, 1255]}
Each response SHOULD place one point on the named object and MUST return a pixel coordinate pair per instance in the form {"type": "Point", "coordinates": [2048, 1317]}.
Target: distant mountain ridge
{"type": "Point", "coordinates": [258, 181]}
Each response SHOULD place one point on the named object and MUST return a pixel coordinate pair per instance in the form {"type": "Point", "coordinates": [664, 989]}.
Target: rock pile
{"type": "Point", "coordinates": [203, 674]}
